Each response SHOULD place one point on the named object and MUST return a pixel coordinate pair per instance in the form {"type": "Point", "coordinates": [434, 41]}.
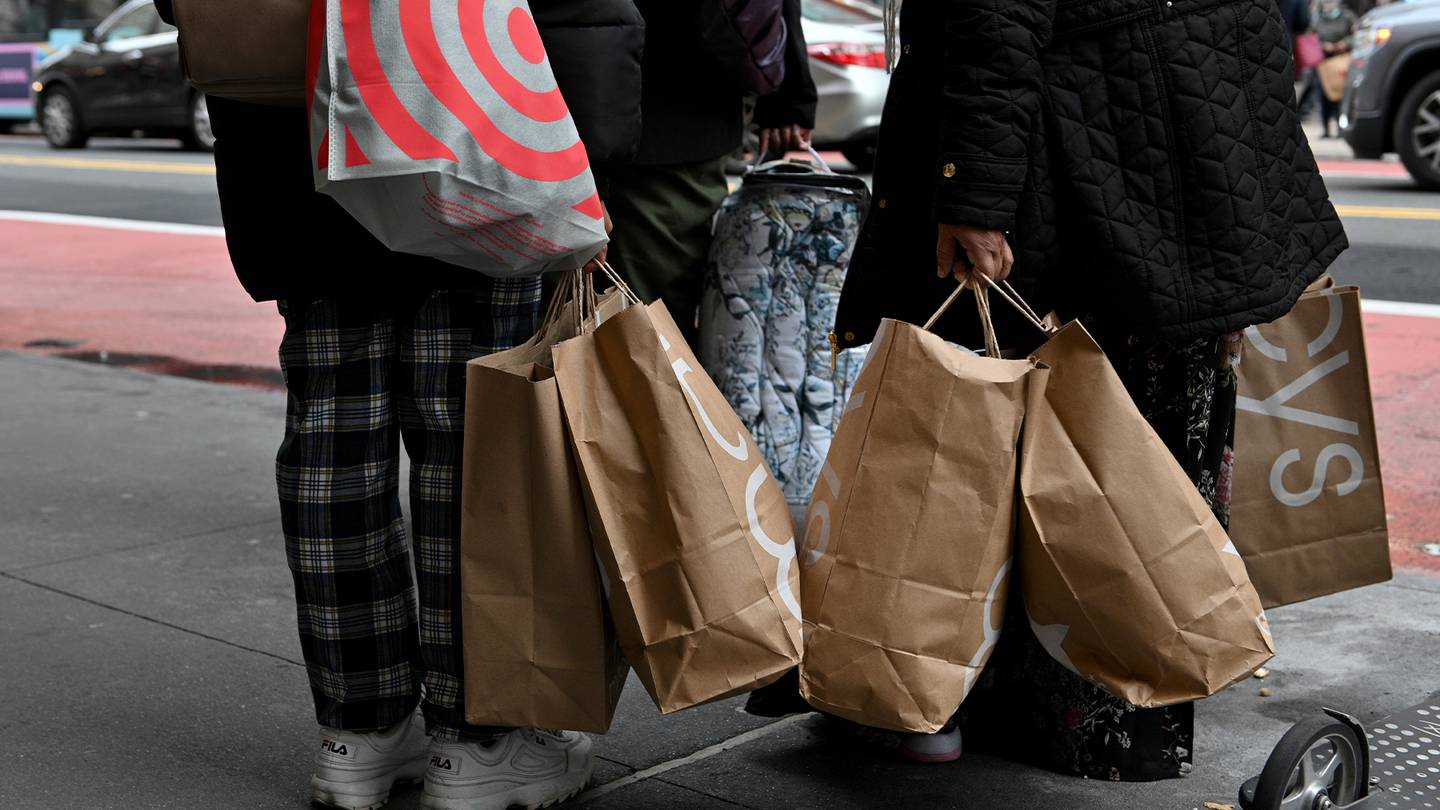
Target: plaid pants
{"type": "Point", "coordinates": [363, 376]}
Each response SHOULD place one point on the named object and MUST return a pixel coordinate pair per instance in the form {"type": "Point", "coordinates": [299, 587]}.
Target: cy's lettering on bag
{"type": "Point", "coordinates": [1308, 509]}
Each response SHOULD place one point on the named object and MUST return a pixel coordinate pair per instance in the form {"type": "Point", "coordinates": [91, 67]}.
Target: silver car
{"type": "Point", "coordinates": [847, 60]}
{"type": "Point", "coordinates": [1392, 95]}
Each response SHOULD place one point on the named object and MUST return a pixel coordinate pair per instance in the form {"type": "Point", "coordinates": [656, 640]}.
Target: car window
{"type": "Point", "coordinates": [138, 22]}
{"type": "Point", "coordinates": [842, 12]}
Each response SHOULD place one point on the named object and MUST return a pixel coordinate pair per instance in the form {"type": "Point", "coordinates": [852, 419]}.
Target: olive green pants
{"type": "Point", "coordinates": [661, 237]}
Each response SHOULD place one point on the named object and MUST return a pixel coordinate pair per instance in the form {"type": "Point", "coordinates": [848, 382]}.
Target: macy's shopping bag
{"type": "Point", "coordinates": [689, 525]}
{"type": "Point", "coordinates": [439, 127]}
{"type": "Point", "coordinates": [910, 537]}
{"type": "Point", "coordinates": [539, 646]}
{"type": "Point", "coordinates": [1127, 575]}
{"type": "Point", "coordinates": [1308, 508]}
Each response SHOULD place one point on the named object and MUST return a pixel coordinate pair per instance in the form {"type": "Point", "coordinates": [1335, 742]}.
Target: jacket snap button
{"type": "Point", "coordinates": [881, 203]}
{"type": "Point", "coordinates": [949, 170]}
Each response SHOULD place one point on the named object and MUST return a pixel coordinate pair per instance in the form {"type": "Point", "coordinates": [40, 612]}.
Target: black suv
{"type": "Point", "coordinates": [1392, 96]}
{"type": "Point", "coordinates": [124, 76]}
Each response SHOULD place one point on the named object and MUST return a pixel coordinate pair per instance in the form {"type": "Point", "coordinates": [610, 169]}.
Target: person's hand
{"type": "Point", "coordinates": [964, 249]}
{"type": "Point", "coordinates": [783, 139]}
{"type": "Point", "coordinates": [594, 264]}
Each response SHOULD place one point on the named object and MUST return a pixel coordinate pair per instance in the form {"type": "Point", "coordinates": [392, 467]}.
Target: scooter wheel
{"type": "Point", "coordinates": [1317, 765]}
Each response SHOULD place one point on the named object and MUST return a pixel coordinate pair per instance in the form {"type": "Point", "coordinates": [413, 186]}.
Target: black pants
{"type": "Point", "coordinates": [374, 355]}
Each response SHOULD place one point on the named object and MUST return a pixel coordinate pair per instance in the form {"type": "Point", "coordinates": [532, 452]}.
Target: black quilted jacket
{"type": "Point", "coordinates": [1145, 155]}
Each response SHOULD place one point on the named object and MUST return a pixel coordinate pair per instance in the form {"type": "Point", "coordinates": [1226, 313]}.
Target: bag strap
{"type": "Point", "coordinates": [982, 303]}
{"type": "Point", "coordinates": [619, 283]}
{"type": "Point", "coordinates": [982, 306]}
{"type": "Point", "coordinates": [581, 289]}
{"type": "Point", "coordinates": [1005, 291]}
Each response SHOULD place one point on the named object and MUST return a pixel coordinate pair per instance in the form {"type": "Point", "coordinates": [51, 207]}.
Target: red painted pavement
{"type": "Point", "coordinates": [175, 296]}
{"type": "Point", "coordinates": [127, 291]}
{"type": "Point", "coordinates": [1404, 356]}
{"type": "Point", "coordinates": [1362, 168]}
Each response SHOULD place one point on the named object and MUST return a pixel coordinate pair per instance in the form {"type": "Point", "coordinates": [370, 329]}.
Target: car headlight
{"type": "Point", "coordinates": [1370, 38]}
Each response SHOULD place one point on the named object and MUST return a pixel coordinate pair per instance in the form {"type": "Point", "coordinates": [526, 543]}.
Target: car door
{"type": "Point", "coordinates": [112, 82]}
{"type": "Point", "coordinates": [163, 92]}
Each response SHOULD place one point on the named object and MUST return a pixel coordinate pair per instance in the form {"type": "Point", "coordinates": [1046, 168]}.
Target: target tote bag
{"type": "Point", "coordinates": [439, 126]}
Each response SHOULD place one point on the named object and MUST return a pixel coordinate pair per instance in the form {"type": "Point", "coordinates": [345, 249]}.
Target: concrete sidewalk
{"type": "Point", "coordinates": [148, 656]}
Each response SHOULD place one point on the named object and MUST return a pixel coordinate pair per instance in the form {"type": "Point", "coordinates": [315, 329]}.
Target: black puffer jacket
{"type": "Point", "coordinates": [595, 47]}
{"type": "Point", "coordinates": [1146, 157]}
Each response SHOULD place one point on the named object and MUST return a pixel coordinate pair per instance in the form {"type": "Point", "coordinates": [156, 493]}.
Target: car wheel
{"type": "Point", "coordinates": [198, 134]}
{"type": "Point", "coordinates": [60, 120]}
{"type": "Point", "coordinates": [861, 155]}
{"type": "Point", "coordinates": [1417, 131]}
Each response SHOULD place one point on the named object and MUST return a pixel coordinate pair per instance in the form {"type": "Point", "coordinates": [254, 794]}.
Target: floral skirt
{"type": "Point", "coordinates": [1029, 707]}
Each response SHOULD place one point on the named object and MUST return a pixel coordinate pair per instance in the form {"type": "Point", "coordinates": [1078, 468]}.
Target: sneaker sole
{"type": "Point", "coordinates": [529, 797]}
{"type": "Point", "coordinates": [344, 796]}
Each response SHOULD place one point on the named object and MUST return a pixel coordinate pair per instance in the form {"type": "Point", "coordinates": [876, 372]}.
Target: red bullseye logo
{"type": "Point", "coordinates": [442, 57]}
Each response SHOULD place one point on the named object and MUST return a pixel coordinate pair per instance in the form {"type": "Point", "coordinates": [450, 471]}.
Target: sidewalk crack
{"type": "Point", "coordinates": [144, 618]}
{"type": "Point", "coordinates": [148, 544]}
{"type": "Point", "coordinates": [706, 794]}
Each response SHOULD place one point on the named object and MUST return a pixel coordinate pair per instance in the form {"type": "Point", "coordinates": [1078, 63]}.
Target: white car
{"type": "Point", "coordinates": [847, 59]}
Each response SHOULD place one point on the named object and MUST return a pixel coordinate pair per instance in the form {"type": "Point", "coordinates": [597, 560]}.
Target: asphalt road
{"type": "Point", "coordinates": [1394, 227]}
{"type": "Point", "coordinates": [127, 179]}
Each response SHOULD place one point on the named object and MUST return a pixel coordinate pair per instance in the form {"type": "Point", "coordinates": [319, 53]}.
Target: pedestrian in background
{"type": "Point", "coordinates": [663, 201]}
{"type": "Point", "coordinates": [373, 355]}
{"type": "Point", "coordinates": [1133, 165]}
{"type": "Point", "coordinates": [1296, 14]}
{"type": "Point", "coordinates": [1334, 25]}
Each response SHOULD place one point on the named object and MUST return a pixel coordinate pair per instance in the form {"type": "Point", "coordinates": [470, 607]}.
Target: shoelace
{"type": "Point", "coordinates": [542, 734]}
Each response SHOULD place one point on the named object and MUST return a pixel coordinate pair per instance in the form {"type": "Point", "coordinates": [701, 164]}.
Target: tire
{"type": "Point", "coordinates": [1417, 131]}
{"type": "Point", "coordinates": [861, 155]}
{"type": "Point", "coordinates": [198, 135]}
{"type": "Point", "coordinates": [60, 119]}
{"type": "Point", "coordinates": [1317, 757]}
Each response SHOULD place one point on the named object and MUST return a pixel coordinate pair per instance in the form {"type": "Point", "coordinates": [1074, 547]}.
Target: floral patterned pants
{"type": "Point", "coordinates": [1029, 707]}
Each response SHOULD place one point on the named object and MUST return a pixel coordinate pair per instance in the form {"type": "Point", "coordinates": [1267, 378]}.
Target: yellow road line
{"type": "Point", "coordinates": [94, 164]}
{"type": "Point", "coordinates": [1386, 212]}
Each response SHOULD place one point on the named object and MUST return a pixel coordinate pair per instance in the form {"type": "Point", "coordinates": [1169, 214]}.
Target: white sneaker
{"type": "Point", "coordinates": [528, 767]}
{"type": "Point", "coordinates": [355, 771]}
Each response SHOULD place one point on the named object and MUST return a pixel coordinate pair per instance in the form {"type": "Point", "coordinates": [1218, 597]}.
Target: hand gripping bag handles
{"type": "Point", "coordinates": [689, 525]}
{"type": "Point", "coordinates": [910, 536]}
{"type": "Point", "coordinates": [438, 125]}
{"type": "Point", "coordinates": [1128, 577]}
{"type": "Point", "coordinates": [539, 646]}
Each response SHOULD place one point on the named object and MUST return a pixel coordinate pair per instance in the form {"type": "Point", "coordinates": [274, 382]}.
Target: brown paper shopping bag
{"type": "Point", "coordinates": [1308, 508]}
{"type": "Point", "coordinates": [539, 648]}
{"type": "Point", "coordinates": [689, 524]}
{"type": "Point", "coordinates": [1128, 577]}
{"type": "Point", "coordinates": [910, 536]}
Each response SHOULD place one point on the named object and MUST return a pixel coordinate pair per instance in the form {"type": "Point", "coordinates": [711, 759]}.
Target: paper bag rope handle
{"type": "Point", "coordinates": [619, 283]}
{"type": "Point", "coordinates": [982, 305]}
{"type": "Point", "coordinates": [1005, 291]}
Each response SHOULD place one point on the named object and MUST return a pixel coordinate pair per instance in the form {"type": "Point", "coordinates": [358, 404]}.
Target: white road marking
{"type": "Point", "coordinates": [1374, 307]}
{"type": "Point", "coordinates": [177, 228]}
